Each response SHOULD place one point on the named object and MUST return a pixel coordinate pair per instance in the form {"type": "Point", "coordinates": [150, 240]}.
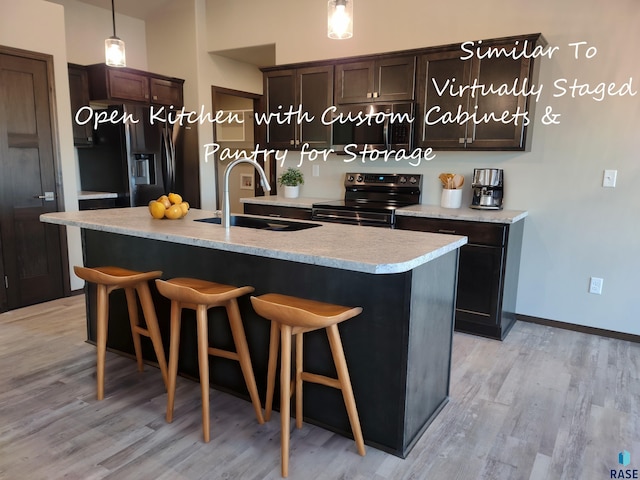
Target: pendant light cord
{"type": "Point", "coordinates": [113, 15]}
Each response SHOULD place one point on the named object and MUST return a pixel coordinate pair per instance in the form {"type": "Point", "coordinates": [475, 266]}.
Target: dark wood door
{"type": "Point", "coordinates": [315, 94]}
{"type": "Point", "coordinates": [440, 77]}
{"type": "Point", "coordinates": [31, 250]}
{"type": "Point", "coordinates": [280, 96]}
{"type": "Point", "coordinates": [79, 94]}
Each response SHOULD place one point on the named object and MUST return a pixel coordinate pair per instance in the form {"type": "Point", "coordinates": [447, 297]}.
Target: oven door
{"type": "Point", "coordinates": [353, 217]}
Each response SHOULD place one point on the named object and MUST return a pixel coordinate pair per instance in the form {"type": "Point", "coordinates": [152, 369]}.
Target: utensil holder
{"type": "Point", "coordinates": [451, 198]}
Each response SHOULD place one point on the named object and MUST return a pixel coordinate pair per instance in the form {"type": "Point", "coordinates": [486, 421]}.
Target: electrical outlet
{"type": "Point", "coordinates": [595, 285]}
{"type": "Point", "coordinates": [315, 171]}
{"type": "Point", "coordinates": [609, 178]}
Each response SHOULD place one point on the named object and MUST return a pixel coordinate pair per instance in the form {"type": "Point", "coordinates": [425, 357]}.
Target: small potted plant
{"type": "Point", "coordinates": [291, 179]}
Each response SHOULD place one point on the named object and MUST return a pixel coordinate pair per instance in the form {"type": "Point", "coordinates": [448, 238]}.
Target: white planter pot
{"type": "Point", "coordinates": [291, 192]}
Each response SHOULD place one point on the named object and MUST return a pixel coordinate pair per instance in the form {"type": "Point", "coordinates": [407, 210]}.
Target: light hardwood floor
{"type": "Point", "coordinates": [544, 404]}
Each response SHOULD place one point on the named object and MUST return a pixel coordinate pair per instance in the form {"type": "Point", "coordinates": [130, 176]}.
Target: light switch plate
{"type": "Point", "coordinates": [609, 178]}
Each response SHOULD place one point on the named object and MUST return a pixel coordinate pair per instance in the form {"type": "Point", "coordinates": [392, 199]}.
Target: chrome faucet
{"type": "Point", "coordinates": [226, 217]}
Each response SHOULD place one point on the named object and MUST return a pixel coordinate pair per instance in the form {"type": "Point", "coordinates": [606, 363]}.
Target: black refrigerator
{"type": "Point", "coordinates": [138, 161]}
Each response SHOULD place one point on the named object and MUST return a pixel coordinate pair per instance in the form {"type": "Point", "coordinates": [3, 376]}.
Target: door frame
{"type": "Point", "coordinates": [57, 161]}
{"type": "Point", "coordinates": [260, 135]}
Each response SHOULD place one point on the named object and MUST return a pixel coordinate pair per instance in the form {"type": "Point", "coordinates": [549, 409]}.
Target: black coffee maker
{"type": "Point", "coordinates": [487, 188]}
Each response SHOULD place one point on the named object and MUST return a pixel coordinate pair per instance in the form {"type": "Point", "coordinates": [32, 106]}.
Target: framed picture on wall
{"type": "Point", "coordinates": [246, 181]}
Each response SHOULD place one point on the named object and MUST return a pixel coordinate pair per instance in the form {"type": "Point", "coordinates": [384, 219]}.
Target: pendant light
{"type": "Point", "coordinates": [113, 46]}
{"type": "Point", "coordinates": [340, 19]}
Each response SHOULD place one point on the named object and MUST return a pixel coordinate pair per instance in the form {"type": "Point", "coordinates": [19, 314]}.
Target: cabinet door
{"type": "Point", "coordinates": [128, 85]}
{"type": "Point", "coordinates": [395, 79]}
{"type": "Point", "coordinates": [166, 92]}
{"type": "Point", "coordinates": [501, 135]}
{"type": "Point", "coordinates": [315, 94]}
{"type": "Point", "coordinates": [390, 79]}
{"type": "Point", "coordinates": [79, 93]}
{"type": "Point", "coordinates": [280, 95]}
{"type": "Point", "coordinates": [440, 78]}
{"type": "Point", "coordinates": [354, 82]}
{"type": "Point", "coordinates": [479, 284]}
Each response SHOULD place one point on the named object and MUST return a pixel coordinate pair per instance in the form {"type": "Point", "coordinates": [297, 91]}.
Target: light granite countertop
{"type": "Point", "coordinates": [90, 195]}
{"type": "Point", "coordinates": [426, 211]}
{"type": "Point", "coordinates": [463, 213]}
{"type": "Point", "coordinates": [362, 249]}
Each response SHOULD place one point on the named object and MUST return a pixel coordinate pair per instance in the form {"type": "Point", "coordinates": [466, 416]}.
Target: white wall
{"type": "Point", "coordinates": [87, 26]}
{"type": "Point", "coordinates": [576, 228]}
{"type": "Point", "coordinates": [38, 26]}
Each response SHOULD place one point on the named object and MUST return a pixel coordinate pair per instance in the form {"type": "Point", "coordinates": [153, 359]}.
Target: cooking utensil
{"type": "Point", "coordinates": [458, 181]}
{"type": "Point", "coordinates": [446, 178]}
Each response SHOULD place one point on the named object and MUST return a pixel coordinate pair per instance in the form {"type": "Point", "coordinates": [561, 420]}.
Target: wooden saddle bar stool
{"type": "Point", "coordinates": [107, 279]}
{"type": "Point", "coordinates": [201, 295]}
{"type": "Point", "coordinates": [295, 316]}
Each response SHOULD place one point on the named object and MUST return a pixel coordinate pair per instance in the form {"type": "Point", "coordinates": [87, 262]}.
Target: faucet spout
{"type": "Point", "coordinates": [226, 216]}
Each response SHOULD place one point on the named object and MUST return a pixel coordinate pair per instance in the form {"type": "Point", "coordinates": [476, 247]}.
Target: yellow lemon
{"type": "Point", "coordinates": [185, 208]}
{"type": "Point", "coordinates": [173, 212]}
{"type": "Point", "coordinates": [174, 198]}
{"type": "Point", "coordinates": [157, 209]}
{"type": "Point", "coordinates": [165, 201]}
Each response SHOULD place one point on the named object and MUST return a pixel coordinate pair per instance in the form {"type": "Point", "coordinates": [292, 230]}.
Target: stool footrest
{"type": "Point", "coordinates": [321, 379]}
{"type": "Point", "coordinates": [218, 352]}
{"type": "Point", "coordinates": [142, 331]}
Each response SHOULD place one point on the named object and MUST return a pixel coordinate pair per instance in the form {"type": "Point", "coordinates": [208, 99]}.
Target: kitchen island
{"type": "Point", "coordinates": [398, 350]}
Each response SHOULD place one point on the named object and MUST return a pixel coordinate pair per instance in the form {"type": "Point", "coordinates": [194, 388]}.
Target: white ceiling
{"type": "Point", "coordinates": [141, 9]}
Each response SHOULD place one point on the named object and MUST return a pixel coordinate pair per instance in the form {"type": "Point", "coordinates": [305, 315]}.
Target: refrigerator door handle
{"type": "Point", "coordinates": [169, 147]}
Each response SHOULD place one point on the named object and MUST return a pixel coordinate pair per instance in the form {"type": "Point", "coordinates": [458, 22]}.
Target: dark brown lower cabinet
{"type": "Point", "coordinates": [487, 272]}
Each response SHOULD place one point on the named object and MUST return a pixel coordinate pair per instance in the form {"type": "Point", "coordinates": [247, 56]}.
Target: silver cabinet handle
{"type": "Point", "coordinates": [47, 197]}
{"type": "Point", "coordinates": [451, 232]}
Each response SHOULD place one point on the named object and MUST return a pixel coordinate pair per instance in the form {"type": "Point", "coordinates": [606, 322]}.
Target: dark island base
{"type": "Point", "coordinates": [398, 350]}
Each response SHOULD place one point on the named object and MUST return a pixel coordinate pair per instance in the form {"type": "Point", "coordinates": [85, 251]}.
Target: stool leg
{"type": "Point", "coordinates": [132, 307]}
{"type": "Point", "coordinates": [151, 320]}
{"type": "Point", "coordinates": [298, 387]}
{"type": "Point", "coordinates": [345, 384]}
{"type": "Point", "coordinates": [101, 334]}
{"type": "Point", "coordinates": [285, 396]}
{"type": "Point", "coordinates": [274, 345]}
{"type": "Point", "coordinates": [174, 350]}
{"type": "Point", "coordinates": [203, 363]}
{"type": "Point", "coordinates": [240, 339]}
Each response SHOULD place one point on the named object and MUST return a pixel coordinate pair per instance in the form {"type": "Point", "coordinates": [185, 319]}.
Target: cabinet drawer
{"type": "Point", "coordinates": [477, 232]}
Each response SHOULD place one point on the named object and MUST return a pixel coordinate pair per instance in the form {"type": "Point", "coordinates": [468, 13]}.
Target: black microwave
{"type": "Point", "coordinates": [380, 126]}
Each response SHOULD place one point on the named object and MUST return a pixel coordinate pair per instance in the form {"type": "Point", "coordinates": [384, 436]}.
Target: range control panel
{"type": "Point", "coordinates": [384, 179]}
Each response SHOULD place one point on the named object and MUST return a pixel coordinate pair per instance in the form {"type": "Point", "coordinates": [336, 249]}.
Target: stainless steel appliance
{"type": "Point", "coordinates": [380, 126]}
{"type": "Point", "coordinates": [487, 187]}
{"type": "Point", "coordinates": [138, 161]}
{"type": "Point", "coordinates": [371, 199]}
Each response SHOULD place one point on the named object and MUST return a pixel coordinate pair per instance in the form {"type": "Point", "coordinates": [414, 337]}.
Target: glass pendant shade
{"type": "Point", "coordinates": [114, 52]}
{"type": "Point", "coordinates": [340, 19]}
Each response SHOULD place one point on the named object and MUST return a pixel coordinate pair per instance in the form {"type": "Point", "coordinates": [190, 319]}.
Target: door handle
{"type": "Point", "coordinates": [47, 197]}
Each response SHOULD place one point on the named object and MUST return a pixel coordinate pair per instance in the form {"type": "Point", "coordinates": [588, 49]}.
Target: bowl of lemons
{"type": "Point", "coordinates": [169, 206]}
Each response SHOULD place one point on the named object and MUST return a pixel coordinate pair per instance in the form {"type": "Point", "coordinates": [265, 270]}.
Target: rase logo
{"type": "Point", "coordinates": [624, 459]}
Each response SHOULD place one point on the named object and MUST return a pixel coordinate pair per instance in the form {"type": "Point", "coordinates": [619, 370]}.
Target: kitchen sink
{"type": "Point", "coordinates": [275, 224]}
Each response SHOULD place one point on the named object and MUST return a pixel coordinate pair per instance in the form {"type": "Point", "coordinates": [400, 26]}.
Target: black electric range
{"type": "Point", "coordinates": [371, 199]}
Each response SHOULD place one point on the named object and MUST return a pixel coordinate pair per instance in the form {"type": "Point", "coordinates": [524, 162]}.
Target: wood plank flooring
{"type": "Point", "coordinates": [544, 404]}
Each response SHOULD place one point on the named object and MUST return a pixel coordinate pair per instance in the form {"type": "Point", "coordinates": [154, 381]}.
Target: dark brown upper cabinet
{"type": "Point", "coordinates": [79, 94]}
{"type": "Point", "coordinates": [115, 84]}
{"type": "Point", "coordinates": [451, 115]}
{"type": "Point", "coordinates": [294, 94]}
{"type": "Point", "coordinates": [386, 79]}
